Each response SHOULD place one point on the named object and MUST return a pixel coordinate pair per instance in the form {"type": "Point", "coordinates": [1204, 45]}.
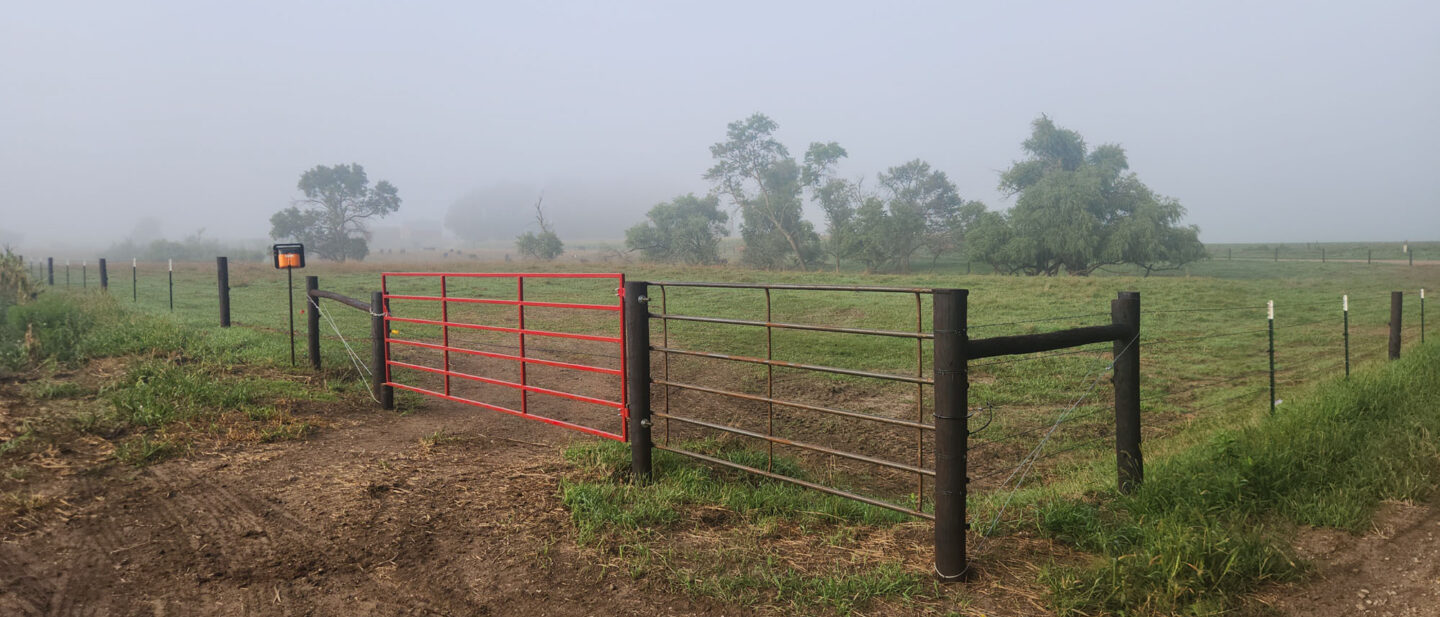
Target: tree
{"type": "Point", "coordinates": [1078, 210]}
{"type": "Point", "coordinates": [331, 219]}
{"type": "Point", "coordinates": [686, 229]}
{"type": "Point", "coordinates": [545, 245]}
{"type": "Point", "coordinates": [840, 199]}
{"type": "Point", "coordinates": [917, 207]}
{"type": "Point", "coordinates": [765, 183]}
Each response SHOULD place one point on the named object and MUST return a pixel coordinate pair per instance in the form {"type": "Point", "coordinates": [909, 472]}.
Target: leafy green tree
{"type": "Point", "coordinates": [840, 200]}
{"type": "Point", "coordinates": [917, 207]}
{"type": "Point", "coordinates": [1078, 210]}
{"type": "Point", "coordinates": [545, 245]}
{"type": "Point", "coordinates": [762, 180]}
{"type": "Point", "coordinates": [331, 219]}
{"type": "Point", "coordinates": [686, 229]}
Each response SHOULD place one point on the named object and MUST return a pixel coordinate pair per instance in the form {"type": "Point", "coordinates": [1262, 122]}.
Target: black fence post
{"type": "Point", "coordinates": [1345, 306]}
{"type": "Point", "coordinates": [637, 377]}
{"type": "Point", "coordinates": [1422, 315]}
{"type": "Point", "coordinates": [1270, 321]}
{"type": "Point", "coordinates": [312, 321]}
{"type": "Point", "coordinates": [952, 432]}
{"type": "Point", "coordinates": [1277, 254]}
{"type": "Point", "coordinates": [134, 280]}
{"type": "Point", "coordinates": [104, 276]}
{"type": "Point", "coordinates": [1397, 300]}
{"type": "Point", "coordinates": [222, 279]}
{"type": "Point", "coordinates": [170, 275]}
{"type": "Point", "coordinates": [379, 368]}
{"type": "Point", "coordinates": [50, 267]}
{"type": "Point", "coordinates": [84, 273]}
{"type": "Point", "coordinates": [1130, 465]}
{"type": "Point", "coordinates": [67, 272]}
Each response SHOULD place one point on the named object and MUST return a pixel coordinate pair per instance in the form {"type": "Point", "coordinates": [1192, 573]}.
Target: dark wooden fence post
{"type": "Point", "coordinates": [379, 368]}
{"type": "Point", "coordinates": [134, 279]}
{"type": "Point", "coordinates": [1397, 299]}
{"type": "Point", "coordinates": [952, 432]}
{"type": "Point", "coordinates": [104, 276]}
{"type": "Point", "coordinates": [50, 268]}
{"type": "Point", "coordinates": [637, 376]}
{"type": "Point", "coordinates": [312, 322]}
{"type": "Point", "coordinates": [222, 279]}
{"type": "Point", "coordinates": [1130, 465]}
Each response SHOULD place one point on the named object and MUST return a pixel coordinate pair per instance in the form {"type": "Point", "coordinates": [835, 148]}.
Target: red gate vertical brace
{"type": "Point", "coordinates": [445, 331]}
{"type": "Point", "coordinates": [520, 295]}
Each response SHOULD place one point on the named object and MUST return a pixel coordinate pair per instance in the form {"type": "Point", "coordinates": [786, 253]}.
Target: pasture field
{"type": "Point", "coordinates": [177, 396]}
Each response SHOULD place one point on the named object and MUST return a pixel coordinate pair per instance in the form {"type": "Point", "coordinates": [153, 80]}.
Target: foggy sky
{"type": "Point", "coordinates": [1268, 121]}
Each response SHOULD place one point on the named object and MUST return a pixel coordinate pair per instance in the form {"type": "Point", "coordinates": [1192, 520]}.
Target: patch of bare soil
{"type": "Point", "coordinates": [1392, 571]}
{"type": "Point", "coordinates": [452, 511]}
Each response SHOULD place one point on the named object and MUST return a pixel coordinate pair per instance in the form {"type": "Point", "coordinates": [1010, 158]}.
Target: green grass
{"type": "Point", "coordinates": [179, 382]}
{"type": "Point", "coordinates": [1212, 523]}
{"type": "Point", "coordinates": [627, 519]}
{"type": "Point", "coordinates": [601, 502]}
{"type": "Point", "coordinates": [1203, 385]}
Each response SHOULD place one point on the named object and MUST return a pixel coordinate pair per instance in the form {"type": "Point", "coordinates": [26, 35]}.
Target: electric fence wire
{"type": "Point", "coordinates": [1208, 309]}
{"type": "Point", "coordinates": [1029, 431]}
{"type": "Point", "coordinates": [1028, 462]}
{"type": "Point", "coordinates": [1203, 386]}
{"type": "Point", "coordinates": [1166, 341]}
{"type": "Point", "coordinates": [354, 357]}
{"type": "Point", "coordinates": [1030, 321]}
{"type": "Point", "coordinates": [1032, 358]}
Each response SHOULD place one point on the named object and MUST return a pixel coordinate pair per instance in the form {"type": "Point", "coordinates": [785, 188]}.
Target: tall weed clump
{"type": "Point", "coordinates": [1215, 522]}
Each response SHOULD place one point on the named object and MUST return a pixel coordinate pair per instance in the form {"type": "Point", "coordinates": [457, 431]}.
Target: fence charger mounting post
{"type": "Point", "coordinates": [288, 257]}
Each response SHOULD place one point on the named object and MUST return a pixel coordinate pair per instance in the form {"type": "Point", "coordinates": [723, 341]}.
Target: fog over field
{"type": "Point", "coordinates": [1277, 121]}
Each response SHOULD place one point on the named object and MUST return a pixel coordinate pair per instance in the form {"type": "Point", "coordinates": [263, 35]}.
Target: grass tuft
{"type": "Point", "coordinates": [1214, 522]}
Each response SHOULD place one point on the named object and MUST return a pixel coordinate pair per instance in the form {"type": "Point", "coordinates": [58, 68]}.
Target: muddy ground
{"type": "Point", "coordinates": [453, 510]}
{"type": "Point", "coordinates": [369, 517]}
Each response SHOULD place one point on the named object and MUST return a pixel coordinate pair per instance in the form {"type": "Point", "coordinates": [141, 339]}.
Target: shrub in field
{"type": "Point", "coordinates": [686, 229]}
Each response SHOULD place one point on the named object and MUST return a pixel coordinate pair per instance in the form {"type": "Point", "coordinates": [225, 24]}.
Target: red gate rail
{"type": "Point", "coordinates": [521, 357]}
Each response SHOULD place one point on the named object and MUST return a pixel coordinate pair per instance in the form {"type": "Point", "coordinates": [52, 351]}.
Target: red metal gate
{"type": "Point", "coordinates": [465, 302]}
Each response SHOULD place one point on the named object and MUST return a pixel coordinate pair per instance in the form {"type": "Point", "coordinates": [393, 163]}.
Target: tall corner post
{"type": "Point", "coordinates": [222, 280]}
{"type": "Point", "coordinates": [312, 321]}
{"type": "Point", "coordinates": [50, 271]}
{"type": "Point", "coordinates": [637, 376]}
{"type": "Point", "coordinates": [379, 366]}
{"type": "Point", "coordinates": [952, 432]}
{"type": "Point", "coordinates": [1129, 464]}
{"type": "Point", "coordinates": [104, 276]}
{"type": "Point", "coordinates": [1397, 301]}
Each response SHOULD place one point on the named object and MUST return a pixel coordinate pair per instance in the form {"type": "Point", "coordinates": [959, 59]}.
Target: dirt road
{"type": "Point", "coordinates": [371, 517]}
{"type": "Point", "coordinates": [1393, 571]}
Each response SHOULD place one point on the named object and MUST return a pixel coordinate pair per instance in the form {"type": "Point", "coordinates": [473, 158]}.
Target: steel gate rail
{"type": "Point", "coordinates": [521, 358]}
